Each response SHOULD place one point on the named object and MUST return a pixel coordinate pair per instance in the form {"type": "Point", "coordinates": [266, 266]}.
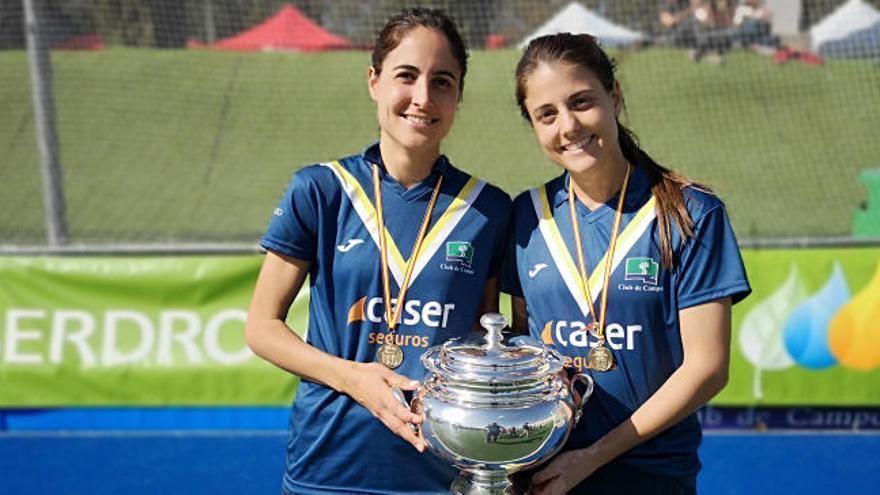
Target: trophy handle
{"type": "Point", "coordinates": [588, 383]}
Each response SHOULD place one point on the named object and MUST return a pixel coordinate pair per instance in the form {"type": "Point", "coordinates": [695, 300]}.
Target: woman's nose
{"type": "Point", "coordinates": [569, 123]}
{"type": "Point", "coordinates": [421, 92]}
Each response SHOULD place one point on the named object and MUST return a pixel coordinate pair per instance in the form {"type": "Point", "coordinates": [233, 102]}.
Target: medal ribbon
{"type": "Point", "coordinates": [392, 316]}
{"type": "Point", "coordinates": [609, 255]}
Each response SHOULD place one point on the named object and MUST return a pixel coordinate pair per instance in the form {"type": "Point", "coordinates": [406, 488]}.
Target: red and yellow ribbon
{"type": "Point", "coordinates": [392, 316]}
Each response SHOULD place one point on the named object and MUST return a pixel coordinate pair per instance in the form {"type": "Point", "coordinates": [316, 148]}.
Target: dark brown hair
{"type": "Point", "coordinates": [398, 26]}
{"type": "Point", "coordinates": [582, 50]}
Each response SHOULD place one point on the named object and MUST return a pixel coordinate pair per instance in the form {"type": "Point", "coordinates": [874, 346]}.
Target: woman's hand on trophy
{"type": "Point", "coordinates": [563, 473]}
{"type": "Point", "coordinates": [371, 384]}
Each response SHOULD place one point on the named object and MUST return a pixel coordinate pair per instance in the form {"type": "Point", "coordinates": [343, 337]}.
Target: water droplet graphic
{"type": "Point", "coordinates": [806, 331]}
{"type": "Point", "coordinates": [854, 335]}
{"type": "Point", "coordinates": [760, 334]}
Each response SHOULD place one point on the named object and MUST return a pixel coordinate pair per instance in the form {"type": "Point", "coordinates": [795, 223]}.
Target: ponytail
{"type": "Point", "coordinates": [666, 186]}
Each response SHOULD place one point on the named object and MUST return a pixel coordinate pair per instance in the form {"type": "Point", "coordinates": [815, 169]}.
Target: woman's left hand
{"type": "Point", "coordinates": [563, 473]}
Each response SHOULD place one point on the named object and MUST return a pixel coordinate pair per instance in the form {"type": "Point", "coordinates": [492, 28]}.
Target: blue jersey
{"type": "Point", "coordinates": [641, 327]}
{"type": "Point", "coordinates": [327, 217]}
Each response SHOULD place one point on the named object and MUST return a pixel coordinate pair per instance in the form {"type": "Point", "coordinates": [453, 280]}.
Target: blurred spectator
{"type": "Point", "coordinates": [753, 27]}
{"type": "Point", "coordinates": [753, 30]}
{"type": "Point", "coordinates": [713, 35]}
{"type": "Point", "coordinates": [701, 26]}
{"type": "Point", "coordinates": [678, 22]}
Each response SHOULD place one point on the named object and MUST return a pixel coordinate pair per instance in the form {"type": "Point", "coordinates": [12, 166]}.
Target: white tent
{"type": "Point", "coordinates": [577, 19]}
{"type": "Point", "coordinates": [786, 16]}
{"type": "Point", "coordinates": [852, 30]}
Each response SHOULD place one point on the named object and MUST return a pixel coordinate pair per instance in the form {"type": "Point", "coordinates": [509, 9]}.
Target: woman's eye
{"type": "Point", "coordinates": [406, 76]}
{"type": "Point", "coordinates": [442, 82]}
{"type": "Point", "coordinates": [582, 103]}
{"type": "Point", "coordinates": [545, 117]}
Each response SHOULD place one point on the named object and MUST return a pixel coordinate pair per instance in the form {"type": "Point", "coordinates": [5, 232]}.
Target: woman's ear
{"type": "Point", "coordinates": [372, 81]}
{"type": "Point", "coordinates": [617, 95]}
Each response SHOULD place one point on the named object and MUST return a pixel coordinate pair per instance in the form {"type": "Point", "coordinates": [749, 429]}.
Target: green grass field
{"type": "Point", "coordinates": [474, 443]}
{"type": "Point", "coordinates": [198, 145]}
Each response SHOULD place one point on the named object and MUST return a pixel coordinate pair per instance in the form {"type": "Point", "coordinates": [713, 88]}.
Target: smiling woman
{"type": "Point", "coordinates": [654, 336]}
{"type": "Point", "coordinates": [402, 251]}
{"type": "Point", "coordinates": [575, 121]}
{"type": "Point", "coordinates": [416, 98]}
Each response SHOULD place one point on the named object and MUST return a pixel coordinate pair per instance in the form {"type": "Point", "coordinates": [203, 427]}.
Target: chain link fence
{"type": "Point", "coordinates": [179, 122]}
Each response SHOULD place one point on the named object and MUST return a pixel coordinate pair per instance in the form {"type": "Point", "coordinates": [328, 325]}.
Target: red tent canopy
{"type": "Point", "coordinates": [286, 30]}
{"type": "Point", "coordinates": [92, 41]}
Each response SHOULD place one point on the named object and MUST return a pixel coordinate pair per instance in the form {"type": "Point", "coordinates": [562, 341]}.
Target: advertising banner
{"type": "Point", "coordinates": [809, 334]}
{"type": "Point", "coordinates": [121, 330]}
{"type": "Point", "coordinates": [169, 330]}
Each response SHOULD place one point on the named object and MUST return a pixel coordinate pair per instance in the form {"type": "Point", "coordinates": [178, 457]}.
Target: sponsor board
{"type": "Point", "coordinates": [790, 418]}
{"type": "Point", "coordinates": [132, 331]}
{"type": "Point", "coordinates": [122, 330]}
{"type": "Point", "coordinates": [810, 331]}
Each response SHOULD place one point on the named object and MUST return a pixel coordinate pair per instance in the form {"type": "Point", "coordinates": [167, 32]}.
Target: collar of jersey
{"type": "Point", "coordinates": [637, 194]}
{"type": "Point", "coordinates": [560, 252]}
{"type": "Point", "coordinates": [372, 155]}
{"type": "Point", "coordinates": [458, 205]}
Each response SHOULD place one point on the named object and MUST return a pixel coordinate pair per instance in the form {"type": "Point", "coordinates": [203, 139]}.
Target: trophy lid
{"type": "Point", "coordinates": [487, 359]}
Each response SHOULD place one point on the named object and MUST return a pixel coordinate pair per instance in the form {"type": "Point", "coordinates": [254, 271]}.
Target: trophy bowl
{"type": "Point", "coordinates": [492, 409]}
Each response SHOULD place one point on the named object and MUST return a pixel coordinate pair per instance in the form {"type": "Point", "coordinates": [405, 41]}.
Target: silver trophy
{"type": "Point", "coordinates": [492, 409]}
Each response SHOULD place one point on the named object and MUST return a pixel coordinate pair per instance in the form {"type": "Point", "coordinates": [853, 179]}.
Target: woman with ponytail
{"type": "Point", "coordinates": [629, 270]}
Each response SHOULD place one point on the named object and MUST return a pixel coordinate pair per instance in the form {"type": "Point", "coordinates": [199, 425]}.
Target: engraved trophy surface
{"type": "Point", "coordinates": [494, 408]}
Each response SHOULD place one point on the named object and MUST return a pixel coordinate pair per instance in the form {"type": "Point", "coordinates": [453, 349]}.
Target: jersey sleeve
{"type": "Point", "coordinates": [710, 266]}
{"type": "Point", "coordinates": [294, 225]}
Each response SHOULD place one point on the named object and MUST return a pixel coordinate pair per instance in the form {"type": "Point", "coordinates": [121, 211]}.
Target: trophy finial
{"type": "Point", "coordinates": [493, 323]}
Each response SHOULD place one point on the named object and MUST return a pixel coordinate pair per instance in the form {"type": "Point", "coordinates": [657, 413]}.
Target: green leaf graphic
{"type": "Point", "coordinates": [760, 334]}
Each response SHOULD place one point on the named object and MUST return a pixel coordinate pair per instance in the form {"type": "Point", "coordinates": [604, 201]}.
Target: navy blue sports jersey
{"type": "Point", "coordinates": [327, 217]}
{"type": "Point", "coordinates": [641, 327]}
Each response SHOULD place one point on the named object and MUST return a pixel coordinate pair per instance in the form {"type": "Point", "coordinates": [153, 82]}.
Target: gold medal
{"type": "Point", "coordinates": [390, 355]}
{"type": "Point", "coordinates": [600, 358]}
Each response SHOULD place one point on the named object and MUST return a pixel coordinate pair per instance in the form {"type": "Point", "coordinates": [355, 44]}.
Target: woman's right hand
{"type": "Point", "coordinates": [370, 384]}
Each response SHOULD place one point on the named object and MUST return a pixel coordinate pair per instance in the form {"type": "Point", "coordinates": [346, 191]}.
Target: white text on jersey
{"type": "Point", "coordinates": [432, 313]}
{"type": "Point", "coordinates": [575, 334]}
